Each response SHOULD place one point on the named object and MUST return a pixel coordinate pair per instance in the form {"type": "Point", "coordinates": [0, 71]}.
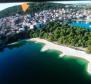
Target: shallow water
{"type": "Point", "coordinates": [82, 24]}
{"type": "Point", "coordinates": [24, 63]}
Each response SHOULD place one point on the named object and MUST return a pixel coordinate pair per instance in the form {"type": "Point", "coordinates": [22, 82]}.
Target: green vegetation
{"type": "Point", "coordinates": [64, 34]}
{"type": "Point", "coordinates": [89, 43]}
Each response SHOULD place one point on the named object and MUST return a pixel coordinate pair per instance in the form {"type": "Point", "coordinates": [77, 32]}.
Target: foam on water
{"type": "Point", "coordinates": [89, 68]}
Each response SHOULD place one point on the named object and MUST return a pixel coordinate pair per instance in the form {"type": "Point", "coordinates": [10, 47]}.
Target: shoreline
{"type": "Point", "coordinates": [65, 51]}
{"type": "Point", "coordinates": [85, 20]}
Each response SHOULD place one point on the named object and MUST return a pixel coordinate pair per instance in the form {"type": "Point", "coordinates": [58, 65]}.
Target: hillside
{"type": "Point", "coordinates": [35, 7]}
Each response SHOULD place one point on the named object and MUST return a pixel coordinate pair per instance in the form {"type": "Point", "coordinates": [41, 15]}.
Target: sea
{"type": "Point", "coordinates": [81, 24]}
{"type": "Point", "coordinates": [25, 63]}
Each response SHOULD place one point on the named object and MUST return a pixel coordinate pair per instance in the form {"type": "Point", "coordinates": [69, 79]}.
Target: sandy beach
{"type": "Point", "coordinates": [65, 51]}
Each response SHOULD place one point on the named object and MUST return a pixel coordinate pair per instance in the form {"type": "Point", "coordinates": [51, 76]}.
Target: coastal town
{"type": "Point", "coordinates": [18, 23]}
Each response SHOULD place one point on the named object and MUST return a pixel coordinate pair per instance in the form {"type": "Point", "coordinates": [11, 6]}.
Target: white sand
{"type": "Point", "coordinates": [65, 51]}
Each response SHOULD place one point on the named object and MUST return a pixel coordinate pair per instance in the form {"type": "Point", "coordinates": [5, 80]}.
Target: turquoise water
{"type": "Point", "coordinates": [82, 24]}
{"type": "Point", "coordinates": [24, 63]}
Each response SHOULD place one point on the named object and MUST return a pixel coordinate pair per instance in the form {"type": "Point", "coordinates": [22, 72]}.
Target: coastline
{"type": "Point", "coordinates": [85, 20]}
{"type": "Point", "coordinates": [65, 51]}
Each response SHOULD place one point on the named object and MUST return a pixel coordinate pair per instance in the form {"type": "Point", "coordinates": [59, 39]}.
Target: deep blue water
{"type": "Point", "coordinates": [82, 24]}
{"type": "Point", "coordinates": [24, 63]}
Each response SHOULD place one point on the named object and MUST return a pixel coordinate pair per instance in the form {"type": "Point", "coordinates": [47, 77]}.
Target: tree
{"type": "Point", "coordinates": [45, 35]}
{"type": "Point", "coordinates": [89, 43]}
{"type": "Point", "coordinates": [61, 40]}
{"type": "Point", "coordinates": [50, 38]}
